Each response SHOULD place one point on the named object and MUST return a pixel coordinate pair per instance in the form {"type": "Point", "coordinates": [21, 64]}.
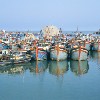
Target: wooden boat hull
{"type": "Point", "coordinates": [41, 55]}
{"type": "Point", "coordinates": [79, 54]}
{"type": "Point", "coordinates": [61, 56]}
{"type": "Point", "coordinates": [3, 63]}
{"type": "Point", "coordinates": [19, 61]}
{"type": "Point", "coordinates": [58, 68]}
{"type": "Point", "coordinates": [79, 67]}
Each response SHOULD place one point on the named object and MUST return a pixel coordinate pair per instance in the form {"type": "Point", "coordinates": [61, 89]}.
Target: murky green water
{"type": "Point", "coordinates": [42, 80]}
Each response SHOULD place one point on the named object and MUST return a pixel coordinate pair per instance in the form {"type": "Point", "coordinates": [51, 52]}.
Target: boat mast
{"type": "Point", "coordinates": [77, 29]}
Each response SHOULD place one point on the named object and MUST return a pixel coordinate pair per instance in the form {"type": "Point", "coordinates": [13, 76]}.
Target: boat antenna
{"type": "Point", "coordinates": [60, 30]}
{"type": "Point", "coordinates": [77, 29]}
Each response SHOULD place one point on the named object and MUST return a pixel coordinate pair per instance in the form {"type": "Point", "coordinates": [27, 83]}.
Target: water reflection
{"type": "Point", "coordinates": [95, 58]}
{"type": "Point", "coordinates": [14, 69]}
{"type": "Point", "coordinates": [58, 68]}
{"type": "Point", "coordinates": [38, 66]}
{"type": "Point", "coordinates": [95, 55]}
{"type": "Point", "coordinates": [79, 67]}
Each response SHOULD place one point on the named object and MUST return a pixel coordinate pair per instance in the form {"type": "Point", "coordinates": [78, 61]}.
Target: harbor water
{"type": "Point", "coordinates": [52, 80]}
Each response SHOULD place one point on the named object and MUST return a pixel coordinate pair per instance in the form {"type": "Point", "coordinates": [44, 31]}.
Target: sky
{"type": "Point", "coordinates": [22, 15]}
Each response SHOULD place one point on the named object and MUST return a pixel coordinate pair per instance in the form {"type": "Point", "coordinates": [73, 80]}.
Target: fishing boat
{"type": "Point", "coordinates": [79, 67]}
{"type": "Point", "coordinates": [4, 50]}
{"type": "Point", "coordinates": [97, 32]}
{"type": "Point", "coordinates": [58, 68]}
{"type": "Point", "coordinates": [96, 45]}
{"type": "Point", "coordinates": [4, 62]}
{"type": "Point", "coordinates": [87, 44]}
{"type": "Point", "coordinates": [58, 52]}
{"type": "Point", "coordinates": [19, 57]}
{"type": "Point", "coordinates": [39, 53]}
{"type": "Point", "coordinates": [40, 50]}
{"type": "Point", "coordinates": [79, 53]}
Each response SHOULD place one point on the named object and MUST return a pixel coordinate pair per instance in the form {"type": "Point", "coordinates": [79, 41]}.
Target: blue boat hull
{"type": "Point", "coordinates": [42, 55]}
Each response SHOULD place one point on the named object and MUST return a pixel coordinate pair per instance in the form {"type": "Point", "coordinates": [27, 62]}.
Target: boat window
{"type": "Point", "coordinates": [4, 39]}
{"type": "Point", "coordinates": [23, 53]}
{"type": "Point", "coordinates": [5, 52]}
